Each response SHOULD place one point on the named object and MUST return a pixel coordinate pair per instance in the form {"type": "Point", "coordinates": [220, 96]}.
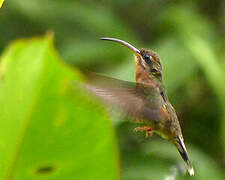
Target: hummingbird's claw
{"type": "Point", "coordinates": [148, 130]}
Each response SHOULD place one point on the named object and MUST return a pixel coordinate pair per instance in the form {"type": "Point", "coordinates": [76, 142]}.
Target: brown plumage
{"type": "Point", "coordinates": [144, 101]}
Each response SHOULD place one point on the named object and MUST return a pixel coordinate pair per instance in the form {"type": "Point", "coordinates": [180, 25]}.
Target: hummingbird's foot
{"type": "Point", "coordinates": [148, 130]}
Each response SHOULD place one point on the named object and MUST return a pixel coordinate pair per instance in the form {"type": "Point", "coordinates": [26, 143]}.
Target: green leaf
{"type": "Point", "coordinates": [49, 129]}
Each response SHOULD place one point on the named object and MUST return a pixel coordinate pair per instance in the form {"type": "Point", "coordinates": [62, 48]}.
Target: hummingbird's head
{"type": "Point", "coordinates": [150, 63]}
{"type": "Point", "coordinates": [147, 61]}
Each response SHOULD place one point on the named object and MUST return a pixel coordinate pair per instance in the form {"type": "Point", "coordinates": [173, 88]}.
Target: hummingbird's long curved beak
{"type": "Point", "coordinates": [132, 48]}
{"type": "Point", "coordinates": [183, 152]}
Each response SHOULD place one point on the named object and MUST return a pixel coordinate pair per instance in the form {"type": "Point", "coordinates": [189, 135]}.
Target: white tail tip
{"type": "Point", "coordinates": [191, 171]}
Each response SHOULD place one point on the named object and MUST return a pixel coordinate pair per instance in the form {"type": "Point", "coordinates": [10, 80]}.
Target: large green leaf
{"type": "Point", "coordinates": [48, 128]}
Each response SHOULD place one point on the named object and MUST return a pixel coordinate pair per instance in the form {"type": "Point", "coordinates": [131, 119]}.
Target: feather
{"type": "Point", "coordinates": [126, 96]}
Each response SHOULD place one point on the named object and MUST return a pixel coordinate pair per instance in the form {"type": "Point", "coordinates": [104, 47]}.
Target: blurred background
{"type": "Point", "coordinates": [190, 39]}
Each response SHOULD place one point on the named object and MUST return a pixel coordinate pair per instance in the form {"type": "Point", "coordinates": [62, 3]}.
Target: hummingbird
{"type": "Point", "coordinates": [145, 101]}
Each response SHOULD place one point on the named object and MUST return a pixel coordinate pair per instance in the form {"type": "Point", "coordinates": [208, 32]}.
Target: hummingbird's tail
{"type": "Point", "coordinates": [183, 152]}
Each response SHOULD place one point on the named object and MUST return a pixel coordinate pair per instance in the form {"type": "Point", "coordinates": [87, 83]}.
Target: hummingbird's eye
{"type": "Point", "coordinates": [154, 70]}
{"type": "Point", "coordinates": [147, 57]}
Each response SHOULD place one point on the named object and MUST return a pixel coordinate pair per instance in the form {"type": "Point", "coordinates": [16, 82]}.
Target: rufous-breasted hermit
{"type": "Point", "coordinates": [145, 101]}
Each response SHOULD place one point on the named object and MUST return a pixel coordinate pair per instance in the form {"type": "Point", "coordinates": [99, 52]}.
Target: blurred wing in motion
{"type": "Point", "coordinates": [126, 96]}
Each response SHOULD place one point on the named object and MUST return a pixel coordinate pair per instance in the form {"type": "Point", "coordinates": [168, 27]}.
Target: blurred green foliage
{"type": "Point", "coordinates": [190, 39]}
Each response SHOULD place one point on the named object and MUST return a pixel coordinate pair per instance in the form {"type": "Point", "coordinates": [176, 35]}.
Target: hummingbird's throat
{"type": "Point", "coordinates": [139, 62]}
{"type": "Point", "coordinates": [143, 76]}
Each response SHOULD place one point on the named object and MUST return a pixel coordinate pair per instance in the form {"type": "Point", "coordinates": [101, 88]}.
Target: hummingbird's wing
{"type": "Point", "coordinates": [133, 99]}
